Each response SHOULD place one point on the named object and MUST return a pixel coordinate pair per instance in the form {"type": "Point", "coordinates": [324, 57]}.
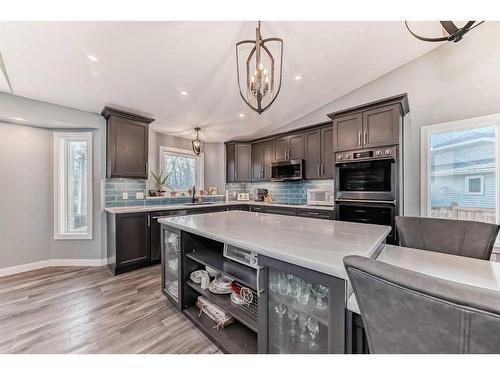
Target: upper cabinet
{"type": "Point", "coordinates": [127, 137]}
{"type": "Point", "coordinates": [262, 153]}
{"type": "Point", "coordinates": [371, 125]}
{"type": "Point", "coordinates": [238, 162]}
{"type": "Point", "coordinates": [289, 147]}
{"type": "Point", "coordinates": [318, 160]}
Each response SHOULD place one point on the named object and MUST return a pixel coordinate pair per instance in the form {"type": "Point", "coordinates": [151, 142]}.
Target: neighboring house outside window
{"type": "Point", "coordinates": [183, 167]}
{"type": "Point", "coordinates": [73, 185]}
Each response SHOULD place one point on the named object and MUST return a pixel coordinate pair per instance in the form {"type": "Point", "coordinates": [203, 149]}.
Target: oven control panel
{"type": "Point", "coordinates": [387, 152]}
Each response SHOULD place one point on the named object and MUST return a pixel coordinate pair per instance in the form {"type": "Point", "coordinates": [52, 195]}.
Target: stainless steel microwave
{"type": "Point", "coordinates": [287, 170]}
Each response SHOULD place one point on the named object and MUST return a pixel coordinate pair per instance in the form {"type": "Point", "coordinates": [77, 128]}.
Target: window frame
{"type": "Point", "coordinates": [60, 186]}
{"type": "Point", "coordinates": [467, 185]}
{"type": "Point", "coordinates": [200, 162]}
{"type": "Point", "coordinates": [425, 136]}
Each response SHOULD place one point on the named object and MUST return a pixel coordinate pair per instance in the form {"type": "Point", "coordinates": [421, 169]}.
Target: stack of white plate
{"type": "Point", "coordinates": [221, 285]}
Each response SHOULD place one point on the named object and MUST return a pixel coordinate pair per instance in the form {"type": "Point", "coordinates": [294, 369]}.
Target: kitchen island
{"type": "Point", "coordinates": [298, 282]}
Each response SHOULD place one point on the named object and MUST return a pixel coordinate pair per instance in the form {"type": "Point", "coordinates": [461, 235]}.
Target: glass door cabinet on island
{"type": "Point", "coordinates": [300, 310]}
{"type": "Point", "coordinates": [171, 265]}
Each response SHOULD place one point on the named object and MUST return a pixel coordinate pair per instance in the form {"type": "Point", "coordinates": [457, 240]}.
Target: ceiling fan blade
{"type": "Point", "coordinates": [449, 26]}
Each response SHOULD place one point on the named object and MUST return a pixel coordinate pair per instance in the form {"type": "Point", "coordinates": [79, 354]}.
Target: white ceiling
{"type": "Point", "coordinates": [143, 66]}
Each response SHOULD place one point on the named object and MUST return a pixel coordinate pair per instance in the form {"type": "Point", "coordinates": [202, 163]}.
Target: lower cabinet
{"type": "Point", "coordinates": [300, 310]}
{"type": "Point", "coordinates": [128, 241]}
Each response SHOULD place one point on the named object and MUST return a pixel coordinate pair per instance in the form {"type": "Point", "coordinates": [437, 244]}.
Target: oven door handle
{"type": "Point", "coordinates": [340, 200]}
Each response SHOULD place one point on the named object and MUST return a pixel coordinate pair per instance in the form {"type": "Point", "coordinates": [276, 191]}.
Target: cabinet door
{"type": "Point", "coordinates": [348, 132]}
{"type": "Point", "coordinates": [127, 148]}
{"type": "Point", "coordinates": [296, 148]}
{"type": "Point", "coordinates": [257, 161]}
{"type": "Point", "coordinates": [230, 163]}
{"type": "Point", "coordinates": [243, 165]}
{"type": "Point", "coordinates": [280, 149]}
{"type": "Point", "coordinates": [170, 264]}
{"type": "Point", "coordinates": [381, 126]}
{"type": "Point", "coordinates": [312, 162]}
{"type": "Point", "coordinates": [268, 158]}
{"type": "Point", "coordinates": [327, 155]}
{"type": "Point", "coordinates": [300, 310]}
{"type": "Point", "coordinates": [132, 239]}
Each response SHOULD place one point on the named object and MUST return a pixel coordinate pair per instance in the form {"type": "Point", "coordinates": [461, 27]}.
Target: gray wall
{"type": "Point", "coordinates": [452, 82]}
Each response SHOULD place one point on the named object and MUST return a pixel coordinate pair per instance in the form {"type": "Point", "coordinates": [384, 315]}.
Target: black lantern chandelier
{"type": "Point", "coordinates": [196, 143]}
{"type": "Point", "coordinates": [262, 82]}
{"type": "Point", "coordinates": [451, 32]}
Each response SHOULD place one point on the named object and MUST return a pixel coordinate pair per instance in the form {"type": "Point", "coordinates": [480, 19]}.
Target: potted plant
{"type": "Point", "coordinates": [161, 183]}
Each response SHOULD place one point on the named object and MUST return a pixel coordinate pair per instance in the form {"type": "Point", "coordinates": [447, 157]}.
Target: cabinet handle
{"type": "Point", "coordinates": [146, 167]}
{"type": "Point", "coordinates": [149, 221]}
{"type": "Point", "coordinates": [319, 170]}
{"type": "Point", "coordinates": [258, 281]}
{"type": "Point", "coordinates": [365, 138]}
{"type": "Point", "coordinates": [322, 169]}
{"type": "Point", "coordinates": [359, 139]}
{"type": "Point", "coordinates": [313, 213]}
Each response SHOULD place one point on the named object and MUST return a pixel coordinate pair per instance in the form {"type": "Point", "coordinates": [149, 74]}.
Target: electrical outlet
{"type": "Point", "coordinates": [139, 195]}
{"type": "Point", "coordinates": [125, 195]}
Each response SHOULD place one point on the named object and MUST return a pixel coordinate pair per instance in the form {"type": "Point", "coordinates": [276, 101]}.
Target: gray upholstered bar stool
{"type": "Point", "coordinates": [471, 239]}
{"type": "Point", "coordinates": [409, 312]}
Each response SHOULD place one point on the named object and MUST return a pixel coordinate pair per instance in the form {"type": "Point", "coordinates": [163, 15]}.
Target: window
{"type": "Point", "coordinates": [73, 185]}
{"type": "Point", "coordinates": [474, 185]}
{"type": "Point", "coordinates": [460, 169]}
{"type": "Point", "coordinates": [184, 169]}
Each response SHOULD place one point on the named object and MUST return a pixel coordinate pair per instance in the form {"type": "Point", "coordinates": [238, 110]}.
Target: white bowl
{"type": "Point", "coordinates": [211, 271]}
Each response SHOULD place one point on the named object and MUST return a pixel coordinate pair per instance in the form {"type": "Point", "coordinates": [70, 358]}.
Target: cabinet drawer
{"type": "Point", "coordinates": [316, 214]}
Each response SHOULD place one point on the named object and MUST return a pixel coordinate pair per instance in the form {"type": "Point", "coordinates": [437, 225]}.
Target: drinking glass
{"type": "Point", "coordinates": [304, 292]}
{"type": "Point", "coordinates": [303, 319]}
{"type": "Point", "coordinates": [320, 291]}
{"type": "Point", "coordinates": [280, 311]}
{"type": "Point", "coordinates": [294, 282]}
{"type": "Point", "coordinates": [283, 285]}
{"type": "Point", "coordinates": [313, 327]}
{"type": "Point", "coordinates": [292, 316]}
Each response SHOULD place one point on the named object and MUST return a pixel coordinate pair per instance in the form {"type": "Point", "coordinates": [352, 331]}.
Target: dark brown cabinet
{"type": "Point", "coordinates": [289, 147]}
{"type": "Point", "coordinates": [370, 125]}
{"type": "Point", "coordinates": [127, 138]}
{"type": "Point", "coordinates": [128, 241]}
{"type": "Point", "coordinates": [319, 153]}
{"type": "Point", "coordinates": [262, 153]}
{"type": "Point", "coordinates": [238, 162]}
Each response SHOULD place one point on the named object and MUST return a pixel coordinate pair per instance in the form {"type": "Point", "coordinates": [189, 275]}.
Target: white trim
{"type": "Point", "coordinates": [58, 188]}
{"type": "Point", "coordinates": [199, 158]}
{"type": "Point", "coordinates": [425, 134]}
{"type": "Point", "coordinates": [467, 186]}
{"type": "Point", "coordinates": [52, 263]}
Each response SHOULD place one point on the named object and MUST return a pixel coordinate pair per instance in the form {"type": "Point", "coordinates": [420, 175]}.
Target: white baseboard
{"type": "Point", "coordinates": [52, 263]}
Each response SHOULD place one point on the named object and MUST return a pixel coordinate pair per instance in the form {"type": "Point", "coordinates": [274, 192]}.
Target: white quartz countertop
{"type": "Point", "coordinates": [319, 245]}
{"type": "Point", "coordinates": [474, 272]}
{"type": "Point", "coordinates": [167, 207]}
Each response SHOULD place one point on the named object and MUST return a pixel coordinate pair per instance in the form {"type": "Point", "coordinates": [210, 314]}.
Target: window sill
{"type": "Point", "coordinates": [73, 237]}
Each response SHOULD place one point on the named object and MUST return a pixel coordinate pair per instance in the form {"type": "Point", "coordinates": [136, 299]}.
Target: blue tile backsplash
{"type": "Point", "coordinates": [292, 192]}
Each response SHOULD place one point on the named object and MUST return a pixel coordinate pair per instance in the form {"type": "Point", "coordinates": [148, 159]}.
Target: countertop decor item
{"type": "Point", "coordinates": [196, 143]}
{"type": "Point", "coordinates": [197, 276]}
{"type": "Point", "coordinates": [262, 82]}
{"type": "Point", "coordinates": [451, 32]}
{"type": "Point", "coordinates": [161, 183]}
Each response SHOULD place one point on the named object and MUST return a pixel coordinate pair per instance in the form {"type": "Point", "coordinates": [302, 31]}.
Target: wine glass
{"type": "Point", "coordinates": [304, 292]}
{"type": "Point", "coordinates": [320, 291]}
{"type": "Point", "coordinates": [280, 311]}
{"type": "Point", "coordinates": [303, 319]}
{"type": "Point", "coordinates": [313, 327]}
{"type": "Point", "coordinates": [294, 282]}
{"type": "Point", "coordinates": [283, 285]}
{"type": "Point", "coordinates": [292, 316]}
{"type": "Point", "coordinates": [274, 283]}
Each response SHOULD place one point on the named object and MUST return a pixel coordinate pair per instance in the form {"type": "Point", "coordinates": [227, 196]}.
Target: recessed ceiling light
{"type": "Point", "coordinates": [184, 93]}
{"type": "Point", "coordinates": [241, 115]}
{"type": "Point", "coordinates": [18, 119]}
{"type": "Point", "coordinates": [92, 58]}
{"type": "Point", "coordinates": [298, 77]}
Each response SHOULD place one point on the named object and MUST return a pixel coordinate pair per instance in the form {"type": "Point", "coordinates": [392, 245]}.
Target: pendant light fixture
{"type": "Point", "coordinates": [451, 32]}
{"type": "Point", "coordinates": [196, 143]}
{"type": "Point", "coordinates": [262, 74]}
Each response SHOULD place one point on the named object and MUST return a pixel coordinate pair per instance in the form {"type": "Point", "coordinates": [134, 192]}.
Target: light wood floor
{"type": "Point", "coordinates": [87, 310]}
